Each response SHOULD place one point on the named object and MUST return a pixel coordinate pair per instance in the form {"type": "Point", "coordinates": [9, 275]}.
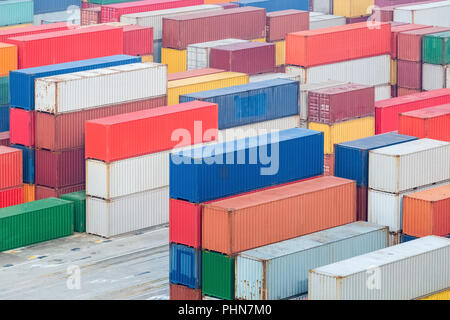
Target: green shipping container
{"type": "Point", "coordinates": [34, 222]}
{"type": "Point", "coordinates": [218, 275]}
{"type": "Point", "coordinates": [4, 90]}
{"type": "Point", "coordinates": [16, 12]}
{"type": "Point", "coordinates": [436, 48]}
{"type": "Point", "coordinates": [79, 202]}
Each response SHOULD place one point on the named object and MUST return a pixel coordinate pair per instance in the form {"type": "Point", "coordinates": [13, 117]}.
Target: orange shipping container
{"type": "Point", "coordinates": [335, 44]}
{"type": "Point", "coordinates": [8, 59]}
{"type": "Point", "coordinates": [236, 224]}
{"type": "Point", "coordinates": [427, 212]}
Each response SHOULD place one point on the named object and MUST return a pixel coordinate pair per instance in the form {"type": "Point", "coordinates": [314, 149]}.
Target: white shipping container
{"type": "Point", "coordinates": [435, 76]}
{"type": "Point", "coordinates": [409, 165]}
{"type": "Point", "coordinates": [154, 19]}
{"type": "Point", "coordinates": [433, 14]}
{"type": "Point", "coordinates": [315, 14]}
{"type": "Point", "coordinates": [383, 92]}
{"type": "Point", "coordinates": [198, 54]}
{"type": "Point", "coordinates": [137, 211]}
{"type": "Point", "coordinates": [88, 89]}
{"type": "Point", "coordinates": [271, 76]}
{"type": "Point", "coordinates": [371, 71]}
{"type": "Point", "coordinates": [402, 272]}
{"type": "Point", "coordinates": [323, 6]}
{"type": "Point", "coordinates": [325, 21]}
{"type": "Point", "coordinates": [72, 15]}
{"type": "Point", "coordinates": [386, 208]}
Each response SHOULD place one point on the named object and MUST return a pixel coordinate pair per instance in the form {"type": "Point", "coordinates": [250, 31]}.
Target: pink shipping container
{"type": "Point", "coordinates": [10, 167]}
{"type": "Point", "coordinates": [57, 169]}
{"type": "Point", "coordinates": [137, 40]}
{"type": "Point", "coordinates": [357, 19]}
{"type": "Point", "coordinates": [112, 13]}
{"type": "Point", "coordinates": [328, 165]}
{"type": "Point", "coordinates": [280, 23]}
{"type": "Point", "coordinates": [192, 73]}
{"type": "Point", "coordinates": [89, 5]}
{"type": "Point", "coordinates": [4, 138]}
{"type": "Point", "coordinates": [339, 103]}
{"type": "Point", "coordinates": [240, 23]}
{"type": "Point", "coordinates": [66, 130]}
{"type": "Point", "coordinates": [395, 30]}
{"type": "Point", "coordinates": [26, 31]}
{"type": "Point", "coordinates": [248, 57]}
{"type": "Point", "coordinates": [401, 92]}
{"type": "Point", "coordinates": [91, 16]}
{"type": "Point", "coordinates": [42, 192]}
{"type": "Point", "coordinates": [410, 43]}
{"type": "Point", "coordinates": [11, 196]}
{"type": "Point", "coordinates": [21, 127]}
{"type": "Point", "coordinates": [409, 74]}
{"type": "Point", "coordinates": [228, 5]}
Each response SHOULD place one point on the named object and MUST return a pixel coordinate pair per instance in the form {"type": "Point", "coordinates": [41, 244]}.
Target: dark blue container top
{"type": "Point", "coordinates": [251, 103]}
{"type": "Point", "coordinates": [276, 5]}
{"type": "Point", "coordinates": [21, 82]}
{"type": "Point", "coordinates": [352, 158]}
{"type": "Point", "coordinates": [46, 6]}
{"type": "Point", "coordinates": [185, 266]}
{"type": "Point", "coordinates": [224, 169]}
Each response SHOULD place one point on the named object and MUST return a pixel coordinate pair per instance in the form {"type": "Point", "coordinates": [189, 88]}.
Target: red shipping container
{"type": "Point", "coordinates": [89, 5]}
{"type": "Point", "coordinates": [248, 57]}
{"type": "Point", "coordinates": [149, 131]}
{"type": "Point", "coordinates": [387, 111]}
{"type": "Point", "coordinates": [401, 92]}
{"type": "Point", "coordinates": [112, 13]}
{"type": "Point", "coordinates": [4, 138]}
{"type": "Point", "coordinates": [245, 23]}
{"type": "Point", "coordinates": [66, 130]}
{"type": "Point", "coordinates": [280, 23]}
{"type": "Point", "coordinates": [361, 203]}
{"type": "Point", "coordinates": [91, 16]}
{"type": "Point", "coordinates": [432, 123]}
{"type": "Point", "coordinates": [57, 169]}
{"type": "Point", "coordinates": [179, 292]}
{"type": "Point", "coordinates": [11, 171]}
{"type": "Point", "coordinates": [409, 74]}
{"type": "Point", "coordinates": [42, 192]}
{"type": "Point", "coordinates": [395, 30]}
{"type": "Point", "coordinates": [409, 43]}
{"type": "Point", "coordinates": [328, 165]}
{"type": "Point", "coordinates": [339, 103]}
{"type": "Point", "coordinates": [21, 127]}
{"type": "Point", "coordinates": [69, 45]}
{"type": "Point", "coordinates": [11, 197]}
{"type": "Point", "coordinates": [137, 40]}
{"type": "Point", "coordinates": [192, 73]}
{"type": "Point", "coordinates": [335, 44]}
{"type": "Point", "coordinates": [25, 31]}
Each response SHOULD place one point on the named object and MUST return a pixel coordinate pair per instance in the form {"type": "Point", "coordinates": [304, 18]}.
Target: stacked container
{"type": "Point", "coordinates": [16, 12]}
{"type": "Point", "coordinates": [91, 16]}
{"type": "Point", "coordinates": [436, 61]}
{"type": "Point", "coordinates": [434, 13]}
{"type": "Point", "coordinates": [11, 186]}
{"type": "Point", "coordinates": [325, 21]}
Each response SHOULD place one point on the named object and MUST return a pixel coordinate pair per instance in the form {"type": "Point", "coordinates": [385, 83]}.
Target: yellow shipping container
{"type": "Point", "coordinates": [28, 192]}
{"type": "Point", "coordinates": [176, 60]}
{"type": "Point", "coordinates": [147, 58]}
{"type": "Point", "coordinates": [8, 58]}
{"type": "Point", "coordinates": [177, 88]}
{"type": "Point", "coordinates": [258, 40]}
{"type": "Point", "coordinates": [280, 53]}
{"type": "Point", "coordinates": [393, 80]}
{"type": "Point", "coordinates": [352, 8]}
{"type": "Point", "coordinates": [344, 131]}
{"type": "Point", "coordinates": [17, 26]}
{"type": "Point", "coordinates": [442, 295]}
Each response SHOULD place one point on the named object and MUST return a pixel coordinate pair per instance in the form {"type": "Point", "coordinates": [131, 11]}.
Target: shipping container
{"type": "Point", "coordinates": [352, 8]}
{"type": "Point", "coordinates": [198, 53]}
{"type": "Point", "coordinates": [328, 165]}
{"type": "Point", "coordinates": [28, 160]}
{"type": "Point", "coordinates": [272, 76]}
{"type": "Point", "coordinates": [391, 271]}
{"type": "Point", "coordinates": [280, 270]}
{"type": "Point", "coordinates": [4, 138]}
{"type": "Point", "coordinates": [365, 18]}
{"type": "Point", "coordinates": [90, 42]}
{"type": "Point", "coordinates": [393, 81]}
{"type": "Point", "coordinates": [90, 16]}
{"type": "Point", "coordinates": [436, 48]}
{"type": "Point", "coordinates": [383, 92]}
{"type": "Point", "coordinates": [443, 295]}
{"type": "Point", "coordinates": [28, 193]}
{"type": "Point", "coordinates": [192, 73]}
{"type": "Point", "coordinates": [305, 48]}
{"type": "Point", "coordinates": [361, 203]}
{"type": "Point", "coordinates": [79, 204]}
{"type": "Point", "coordinates": [9, 58]}
{"type": "Point", "coordinates": [409, 43]}
{"type": "Point", "coordinates": [436, 13]}
{"type": "Point", "coordinates": [251, 103]}
{"type": "Point", "coordinates": [59, 94]}
{"type": "Point", "coordinates": [137, 40]}
{"type": "Point", "coordinates": [42, 192]}
{"type": "Point", "coordinates": [22, 82]}
{"type": "Point", "coordinates": [21, 25]}
{"type": "Point", "coordinates": [126, 136]}
{"type": "Point", "coordinates": [344, 131]}
{"type": "Point", "coordinates": [16, 12]}
{"type": "Point", "coordinates": [203, 83]}
{"type": "Point", "coordinates": [112, 13]}
{"type": "Point", "coordinates": [147, 58]}
{"type": "Point", "coordinates": [108, 218]}
{"type": "Point", "coordinates": [10, 167]}
{"type": "Point", "coordinates": [35, 222]}
{"type": "Point", "coordinates": [157, 47]}
{"type": "Point", "coordinates": [376, 71]}
{"type": "Point", "coordinates": [29, 30]}
{"type": "Point", "coordinates": [406, 91]}
{"type": "Point", "coordinates": [387, 111]}
{"type": "Point", "coordinates": [176, 60]}
{"type": "Point", "coordinates": [432, 123]}
{"type": "Point", "coordinates": [300, 156]}
{"type": "Point", "coordinates": [242, 23]}
{"type": "Point", "coordinates": [72, 16]}
{"type": "Point", "coordinates": [280, 23]}
{"type": "Point", "coordinates": [180, 292]}
{"type": "Point", "coordinates": [44, 6]}
{"type": "Point", "coordinates": [4, 118]}
{"type": "Point", "coordinates": [435, 76]}
{"type": "Point", "coordinates": [280, 53]}
{"type": "Point", "coordinates": [325, 21]}
{"type": "Point", "coordinates": [218, 275]}
{"type": "Point", "coordinates": [409, 165]}
{"type": "Point", "coordinates": [396, 30]}
{"type": "Point", "coordinates": [4, 91]}
{"type": "Point", "coordinates": [409, 74]}
{"type": "Point", "coordinates": [66, 130]}
{"type": "Point", "coordinates": [185, 266]}
{"type": "Point", "coordinates": [22, 127]}
{"type": "Point", "coordinates": [233, 225]}
{"type": "Point", "coordinates": [154, 19]}
{"type": "Point", "coordinates": [11, 196]}
{"type": "Point", "coordinates": [277, 5]}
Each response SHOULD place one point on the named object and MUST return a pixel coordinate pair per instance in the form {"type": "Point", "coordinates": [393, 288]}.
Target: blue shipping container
{"type": "Point", "coordinates": [352, 158]}
{"type": "Point", "coordinates": [4, 118]}
{"type": "Point", "coordinates": [45, 6]}
{"type": "Point", "coordinates": [22, 81]}
{"type": "Point", "coordinates": [276, 5]}
{"type": "Point", "coordinates": [28, 159]}
{"type": "Point", "coordinates": [251, 103]}
{"type": "Point", "coordinates": [15, 12]}
{"type": "Point", "coordinates": [223, 169]}
{"type": "Point", "coordinates": [185, 266]}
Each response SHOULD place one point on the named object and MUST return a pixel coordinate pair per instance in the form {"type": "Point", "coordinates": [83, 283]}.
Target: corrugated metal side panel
{"type": "Point", "coordinates": [42, 192]}
{"type": "Point", "coordinates": [429, 14]}
{"type": "Point", "coordinates": [28, 193]}
{"type": "Point", "coordinates": [382, 92]}
{"type": "Point", "coordinates": [180, 292]}
{"type": "Point", "coordinates": [434, 76]}
{"type": "Point", "coordinates": [16, 12]}
{"type": "Point", "coordinates": [218, 275]}
{"type": "Point", "coordinates": [326, 21]}
{"type": "Point", "coordinates": [10, 167]}
{"type": "Point", "coordinates": [22, 127]}
{"type": "Point", "coordinates": [28, 160]}
{"type": "Point", "coordinates": [11, 197]}
{"type": "Point", "coordinates": [79, 202]}
{"type": "Point", "coordinates": [127, 214]}
{"type": "Point", "coordinates": [176, 60]}
{"type": "Point", "coordinates": [185, 265]}
{"type": "Point", "coordinates": [44, 6]}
